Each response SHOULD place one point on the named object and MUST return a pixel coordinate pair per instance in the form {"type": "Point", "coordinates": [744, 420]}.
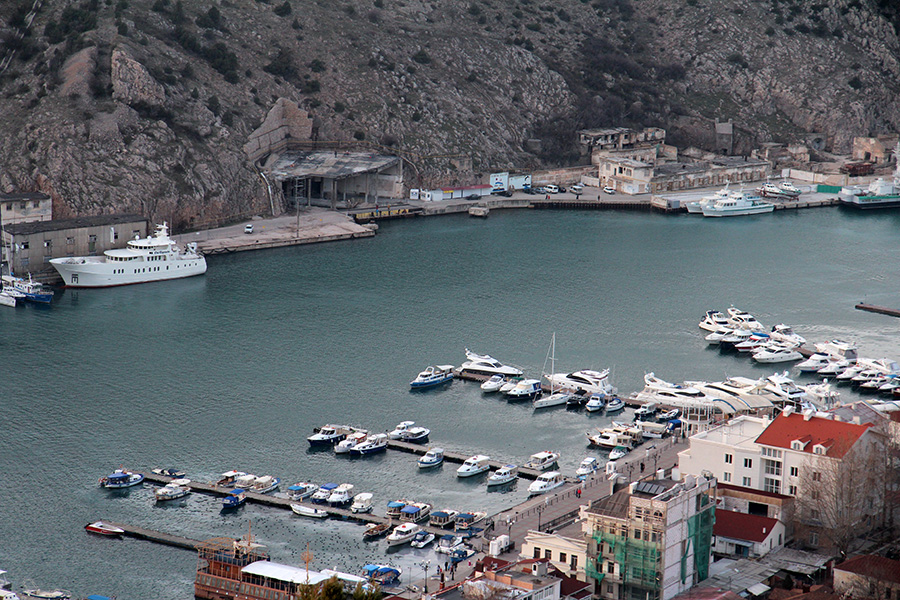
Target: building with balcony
{"type": "Point", "coordinates": [650, 540]}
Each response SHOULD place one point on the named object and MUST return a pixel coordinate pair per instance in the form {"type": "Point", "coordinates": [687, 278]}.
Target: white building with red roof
{"type": "Point", "coordinates": [742, 535]}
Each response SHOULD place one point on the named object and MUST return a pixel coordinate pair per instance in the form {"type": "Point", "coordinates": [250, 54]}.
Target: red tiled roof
{"type": "Point", "coordinates": [874, 566]}
{"type": "Point", "coordinates": [838, 436]}
{"type": "Point", "coordinates": [743, 526]}
{"type": "Point", "coordinates": [489, 563]}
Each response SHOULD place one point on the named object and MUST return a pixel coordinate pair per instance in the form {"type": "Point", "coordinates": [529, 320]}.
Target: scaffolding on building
{"type": "Point", "coordinates": [700, 527]}
{"type": "Point", "coordinates": [638, 560]}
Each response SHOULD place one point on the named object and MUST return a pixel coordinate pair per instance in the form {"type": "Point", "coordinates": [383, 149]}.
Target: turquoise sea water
{"type": "Point", "coordinates": [232, 370]}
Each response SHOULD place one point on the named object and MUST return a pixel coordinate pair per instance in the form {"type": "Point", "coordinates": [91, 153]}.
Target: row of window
{"type": "Point", "coordinates": [8, 206]}
{"type": "Point", "coordinates": [548, 554]}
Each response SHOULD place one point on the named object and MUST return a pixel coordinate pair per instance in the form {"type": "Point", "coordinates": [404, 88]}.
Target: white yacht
{"type": "Point", "coordinates": [737, 336]}
{"type": "Point", "coordinates": [716, 336]}
{"type": "Point", "coordinates": [737, 204]}
{"type": "Point", "coordinates": [542, 460]}
{"type": "Point", "coordinates": [713, 320]}
{"type": "Point", "coordinates": [588, 466]}
{"type": "Point", "coordinates": [755, 340]}
{"type": "Point", "coordinates": [817, 361]}
{"type": "Point", "coordinates": [839, 348]}
{"type": "Point", "coordinates": [493, 384]}
{"type": "Point", "coordinates": [822, 393]}
{"type": "Point", "coordinates": [657, 390]}
{"type": "Point", "coordinates": [592, 382]}
{"type": "Point", "coordinates": [527, 389]}
{"type": "Point", "coordinates": [835, 367]}
{"type": "Point", "coordinates": [696, 207]}
{"type": "Point", "coordinates": [341, 495]}
{"type": "Point", "coordinates": [402, 534]}
{"type": "Point", "coordinates": [503, 475]}
{"type": "Point", "coordinates": [775, 352]}
{"type": "Point", "coordinates": [350, 442]}
{"type": "Point", "coordinates": [474, 466]}
{"type": "Point", "coordinates": [487, 366]}
{"type": "Point", "coordinates": [546, 482]}
{"type": "Point", "coordinates": [785, 333]}
{"type": "Point", "coordinates": [154, 258]}
{"type": "Point", "coordinates": [737, 393]}
{"type": "Point", "coordinates": [743, 320]}
{"type": "Point", "coordinates": [784, 388]}
{"type": "Point", "coordinates": [401, 427]}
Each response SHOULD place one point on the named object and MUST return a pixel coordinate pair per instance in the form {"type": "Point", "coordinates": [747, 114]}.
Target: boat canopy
{"type": "Point", "coordinates": [440, 514]}
{"type": "Point", "coordinates": [235, 492]}
{"type": "Point", "coordinates": [396, 504]}
{"type": "Point", "coordinates": [279, 572]}
{"type": "Point", "coordinates": [328, 486]}
{"type": "Point", "coordinates": [295, 488]}
{"type": "Point", "coordinates": [411, 509]}
{"type": "Point", "coordinates": [465, 517]}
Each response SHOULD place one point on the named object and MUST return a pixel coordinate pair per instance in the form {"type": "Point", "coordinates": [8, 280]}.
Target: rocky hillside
{"type": "Point", "coordinates": [118, 105]}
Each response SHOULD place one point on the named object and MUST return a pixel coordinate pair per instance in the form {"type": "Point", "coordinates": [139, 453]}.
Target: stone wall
{"type": "Point", "coordinates": [285, 121]}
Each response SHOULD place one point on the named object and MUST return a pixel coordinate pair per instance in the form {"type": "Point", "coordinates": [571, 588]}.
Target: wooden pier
{"type": "Point", "coordinates": [882, 310]}
{"type": "Point", "coordinates": [159, 537]}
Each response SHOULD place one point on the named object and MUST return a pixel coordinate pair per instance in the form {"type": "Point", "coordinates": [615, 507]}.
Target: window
{"type": "Point", "coordinates": [792, 490]}
{"type": "Point", "coordinates": [726, 477]}
{"type": "Point", "coordinates": [748, 463]}
{"type": "Point", "coordinates": [772, 485]}
{"type": "Point", "coordinates": [772, 467]}
{"type": "Point", "coordinates": [610, 567]}
{"type": "Point", "coordinates": [547, 554]}
{"type": "Point", "coordinates": [70, 241]}
{"type": "Point", "coordinates": [771, 452]}
{"type": "Point", "coordinates": [25, 245]}
{"type": "Point", "coordinates": [814, 514]}
{"type": "Point", "coordinates": [814, 539]}
{"type": "Point", "coordinates": [637, 534]}
{"type": "Point", "coordinates": [746, 482]}
{"type": "Point", "coordinates": [537, 552]}
{"type": "Point", "coordinates": [573, 562]}
{"type": "Point", "coordinates": [728, 459]}
{"type": "Point", "coordinates": [795, 472]}
{"type": "Point", "coordinates": [814, 494]}
{"type": "Point", "coordinates": [816, 476]}
{"type": "Point", "coordinates": [562, 557]}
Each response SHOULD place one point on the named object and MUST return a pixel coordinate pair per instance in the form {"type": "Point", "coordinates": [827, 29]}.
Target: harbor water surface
{"type": "Point", "coordinates": [232, 370]}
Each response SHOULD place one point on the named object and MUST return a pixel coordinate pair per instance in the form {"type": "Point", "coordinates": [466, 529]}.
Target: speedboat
{"type": "Point", "coordinates": [351, 441]}
{"type": "Point", "coordinates": [362, 503]}
{"type": "Point", "coordinates": [816, 361]}
{"type": "Point", "coordinates": [431, 376]}
{"type": "Point", "coordinates": [785, 333]}
{"type": "Point", "coordinates": [120, 478]}
{"type": "Point", "coordinates": [101, 528]}
{"type": "Point", "coordinates": [493, 384]}
{"type": "Point", "coordinates": [775, 352]}
{"type": "Point", "coordinates": [527, 389]}
{"type": "Point", "coordinates": [595, 402]}
{"type": "Point", "coordinates": [618, 452]}
{"type": "Point", "coordinates": [890, 385]}
{"type": "Point", "coordinates": [373, 444]}
{"type": "Point", "coordinates": [546, 482]}
{"type": "Point", "coordinates": [503, 475]}
{"type": "Point", "coordinates": [383, 575]}
{"type": "Point", "coordinates": [447, 544]}
{"type": "Point", "coordinates": [170, 472]}
{"type": "Point", "coordinates": [554, 399]}
{"type": "Point", "coordinates": [713, 320]}
{"type": "Point", "coordinates": [403, 534]}
{"type": "Point", "coordinates": [301, 490]}
{"type": "Point", "coordinates": [177, 488]}
{"type": "Point", "coordinates": [486, 366]}
{"type": "Point", "coordinates": [235, 498]}
{"type": "Point", "coordinates": [592, 382]}
{"type": "Point", "coordinates": [577, 399]}
{"type": "Point", "coordinates": [46, 594]}
{"type": "Point", "coordinates": [443, 518]}
{"type": "Point", "coordinates": [668, 415]}
{"type": "Point", "coordinates": [542, 460]}
{"type": "Point", "coordinates": [835, 367]}
{"type": "Point", "coordinates": [755, 340]}
{"type": "Point", "coordinates": [784, 389]}
{"type": "Point", "coordinates": [400, 428]}
{"type": "Point", "coordinates": [588, 466]}
{"type": "Point", "coordinates": [341, 495]}
{"type": "Point", "coordinates": [328, 435]}
{"type": "Point", "coordinates": [850, 372]}
{"type": "Point", "coordinates": [415, 512]}
{"type": "Point", "coordinates": [422, 539]}
{"type": "Point", "coordinates": [309, 511]}
{"type": "Point", "coordinates": [322, 495]}
{"type": "Point", "coordinates": [432, 458]}
{"type": "Point", "coordinates": [743, 320]}
{"type": "Point", "coordinates": [738, 204]}
{"type": "Point", "coordinates": [265, 484]}
{"type": "Point", "coordinates": [474, 466]}
{"type": "Point", "coordinates": [415, 435]}
{"type": "Point", "coordinates": [615, 404]}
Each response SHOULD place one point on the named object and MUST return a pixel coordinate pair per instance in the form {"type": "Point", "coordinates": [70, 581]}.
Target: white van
{"type": "Point", "coordinates": [551, 189]}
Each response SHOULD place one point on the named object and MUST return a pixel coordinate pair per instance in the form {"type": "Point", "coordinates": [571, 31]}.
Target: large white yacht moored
{"type": "Point", "coordinates": [712, 320]}
{"type": "Point", "coordinates": [743, 320]}
{"type": "Point", "coordinates": [474, 466]}
{"type": "Point", "coordinates": [542, 460]}
{"type": "Point", "coordinates": [546, 482]}
{"type": "Point", "coordinates": [592, 382]}
{"type": "Point", "coordinates": [486, 366]}
{"type": "Point", "coordinates": [775, 352]}
{"type": "Point", "coordinates": [154, 258]}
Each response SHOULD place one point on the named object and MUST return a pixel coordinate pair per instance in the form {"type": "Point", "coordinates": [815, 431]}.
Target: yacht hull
{"type": "Point", "coordinates": [98, 273]}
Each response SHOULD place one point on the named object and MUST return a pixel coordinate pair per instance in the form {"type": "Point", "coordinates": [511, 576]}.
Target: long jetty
{"type": "Point", "coordinates": [882, 310]}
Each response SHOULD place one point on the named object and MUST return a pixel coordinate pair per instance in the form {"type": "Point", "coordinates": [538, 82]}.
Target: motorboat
{"type": "Point", "coordinates": [384, 575]}
{"type": "Point", "coordinates": [542, 460]}
{"type": "Point", "coordinates": [867, 376]}
{"type": "Point", "coordinates": [885, 365]}
{"type": "Point", "coordinates": [835, 368]}
{"type": "Point", "coordinates": [422, 539]}
{"type": "Point", "coordinates": [816, 361]}
{"type": "Point", "coordinates": [493, 384]}
{"type": "Point", "coordinates": [592, 382]}
{"type": "Point", "coordinates": [616, 435]}
{"type": "Point", "coordinates": [850, 372]}
{"type": "Point", "coordinates": [527, 389]}
{"type": "Point", "coordinates": [510, 384]}
{"type": "Point", "coordinates": [400, 428]}
{"type": "Point", "coordinates": [169, 472]}
{"type": "Point", "coordinates": [486, 366]}
{"type": "Point", "coordinates": [322, 495]}
{"type": "Point", "coordinates": [350, 442]}
{"type": "Point", "coordinates": [27, 289]}
{"type": "Point", "coordinates": [774, 352]}
{"type": "Point", "coordinates": [465, 521]}
{"type": "Point", "coordinates": [265, 484]}
{"type": "Point", "coordinates": [614, 404]}
{"type": "Point", "coordinates": [890, 385]}
{"type": "Point", "coordinates": [449, 543]}
{"type": "Point", "coordinates": [657, 390]}
{"type": "Point", "coordinates": [743, 320]}
{"type": "Point", "coordinates": [738, 204]}
{"type": "Point", "coordinates": [839, 348]}
{"type": "Point", "coordinates": [362, 503]}
{"type": "Point", "coordinates": [46, 594]}
{"type": "Point", "coordinates": [394, 507]}
{"type": "Point", "coordinates": [120, 478]}
{"type": "Point", "coordinates": [716, 336]}
{"type": "Point", "coordinates": [301, 490]}
{"type": "Point", "coordinates": [228, 478]}
{"type": "Point", "coordinates": [443, 518]}
{"type": "Point", "coordinates": [373, 444]}
{"type": "Point", "coordinates": [154, 258]}
{"type": "Point", "coordinates": [755, 340]}
{"type": "Point", "coordinates": [415, 435]}
{"type": "Point", "coordinates": [785, 333]}
{"type": "Point", "coordinates": [651, 429]}
{"type": "Point", "coordinates": [696, 207]}
{"type": "Point", "coordinates": [554, 399]}
{"type": "Point", "coordinates": [245, 481]}
{"type": "Point", "coordinates": [376, 530]}
{"type": "Point", "coordinates": [595, 402]}
{"type": "Point", "coordinates": [342, 495]}
{"type": "Point", "coordinates": [415, 512]}
{"type": "Point", "coordinates": [647, 410]}
{"type": "Point", "coordinates": [618, 452]}
{"type": "Point", "coordinates": [788, 187]}
{"type": "Point", "coordinates": [433, 458]}
{"type": "Point", "coordinates": [588, 466]}
{"type": "Point", "coordinates": [235, 498]}
{"type": "Point", "coordinates": [578, 399]}
{"type": "Point", "coordinates": [432, 376]}
{"type": "Point", "coordinates": [737, 336]}
{"type": "Point", "coordinates": [329, 435]}
{"type": "Point", "coordinates": [474, 465]}
{"type": "Point", "coordinates": [403, 534]}
{"type": "Point", "coordinates": [309, 511]}
{"type": "Point", "coordinates": [503, 475]}
{"type": "Point", "coordinates": [784, 389]}
{"type": "Point", "coordinates": [103, 528]}
{"type": "Point", "coordinates": [177, 488]}
{"type": "Point", "coordinates": [546, 482]}
{"type": "Point", "coordinates": [8, 296]}
{"type": "Point", "coordinates": [668, 415]}
{"type": "Point", "coordinates": [713, 320]}
{"type": "Point", "coordinates": [872, 382]}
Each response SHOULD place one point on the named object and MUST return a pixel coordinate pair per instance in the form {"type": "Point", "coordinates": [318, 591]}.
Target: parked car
{"type": "Point", "coordinates": [551, 189]}
{"type": "Point", "coordinates": [248, 228]}
{"type": "Point", "coordinates": [577, 188]}
{"type": "Point", "coordinates": [505, 193]}
{"type": "Point", "coordinates": [609, 190]}
{"type": "Point", "coordinates": [473, 196]}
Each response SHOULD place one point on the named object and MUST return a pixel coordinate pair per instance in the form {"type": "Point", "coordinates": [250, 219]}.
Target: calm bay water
{"type": "Point", "coordinates": [235, 368]}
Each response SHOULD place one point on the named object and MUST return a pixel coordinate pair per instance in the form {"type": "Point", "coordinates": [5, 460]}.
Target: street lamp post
{"type": "Point", "coordinates": [425, 565]}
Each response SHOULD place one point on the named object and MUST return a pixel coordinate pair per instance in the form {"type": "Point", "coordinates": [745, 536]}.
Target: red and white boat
{"type": "Point", "coordinates": [103, 528]}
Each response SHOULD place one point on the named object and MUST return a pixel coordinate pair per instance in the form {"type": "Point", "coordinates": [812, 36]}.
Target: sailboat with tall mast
{"type": "Point", "coordinates": [556, 398]}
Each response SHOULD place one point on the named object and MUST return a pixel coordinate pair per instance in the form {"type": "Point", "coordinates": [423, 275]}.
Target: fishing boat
{"type": "Point", "coordinates": [372, 445]}
{"type": "Point", "coordinates": [170, 472]}
{"type": "Point", "coordinates": [46, 594]}
{"type": "Point", "coordinates": [350, 442]}
{"type": "Point", "coordinates": [362, 503]}
{"type": "Point", "coordinates": [449, 543]}
{"type": "Point", "coordinates": [527, 389]}
{"type": "Point", "coordinates": [503, 475]}
{"type": "Point", "coordinates": [443, 518]}
{"type": "Point", "coordinates": [235, 498]}
{"type": "Point", "coordinates": [474, 465]}
{"type": "Point", "coordinates": [228, 478]}
{"type": "Point", "coordinates": [120, 478]}
{"type": "Point", "coordinates": [341, 495]}
{"type": "Point", "coordinates": [432, 376]}
{"type": "Point", "coordinates": [31, 290]}
{"type": "Point", "coordinates": [101, 528]}
{"type": "Point", "coordinates": [400, 428]}
{"type": "Point", "coordinates": [376, 530]}
{"type": "Point", "coordinates": [384, 575]}
{"type": "Point", "coordinates": [415, 435]}
{"type": "Point", "coordinates": [542, 460]}
{"type": "Point", "coordinates": [177, 488]}
{"type": "Point", "coordinates": [465, 521]}
{"type": "Point", "coordinates": [595, 402]}
{"type": "Point", "coordinates": [546, 482]}
{"type": "Point", "coordinates": [394, 507]}
{"type": "Point", "coordinates": [265, 484]}
{"type": "Point", "coordinates": [422, 539]}
{"type": "Point", "coordinates": [433, 458]}
{"type": "Point", "coordinates": [301, 490]}
{"type": "Point", "coordinates": [321, 495]}
{"type": "Point", "coordinates": [588, 466]}
{"type": "Point", "coordinates": [415, 512]}
{"type": "Point", "coordinates": [402, 534]}
{"type": "Point", "coordinates": [615, 404]}
{"type": "Point", "coordinates": [329, 435]}
{"type": "Point", "coordinates": [309, 511]}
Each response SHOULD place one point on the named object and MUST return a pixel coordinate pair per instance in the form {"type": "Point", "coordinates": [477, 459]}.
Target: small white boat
{"type": "Point", "coordinates": [309, 511]}
{"type": "Point", "coordinates": [101, 528]}
{"type": "Point", "coordinates": [737, 336]}
{"type": "Point", "coordinates": [784, 333]}
{"type": "Point", "coordinates": [432, 458]}
{"type": "Point", "coordinates": [555, 399]}
{"type": "Point", "coordinates": [588, 466]}
{"type": "Point", "coordinates": [542, 460]}
{"type": "Point", "coordinates": [743, 320]}
{"type": "Point", "coordinates": [415, 435]}
{"type": "Point", "coordinates": [449, 543]}
{"type": "Point", "coordinates": [775, 353]}
{"type": "Point", "coordinates": [120, 478]}
{"type": "Point", "coordinates": [713, 320]}
{"type": "Point", "coordinates": [403, 534]}
{"type": "Point", "coordinates": [486, 366]}
{"type": "Point", "coordinates": [737, 204]}
{"type": "Point", "coordinates": [850, 372]}
{"type": "Point", "coordinates": [835, 367]}
{"type": "Point", "coordinates": [431, 376]}
{"type": "Point", "coordinates": [362, 503]}
{"type": "Point", "coordinates": [756, 340]}
{"type": "Point", "coordinates": [245, 481]}
{"type": "Point", "coordinates": [422, 539]}
{"type": "Point", "coordinates": [493, 384]}
{"type": "Point", "coordinates": [618, 452]}
{"type": "Point", "coordinates": [503, 475]}
{"type": "Point", "coordinates": [474, 465]}
{"type": "Point", "coordinates": [350, 442]}
{"type": "Point", "coordinates": [527, 389]}
{"type": "Point", "coordinates": [595, 402]}
{"type": "Point", "coordinates": [668, 415]}
{"type": "Point", "coordinates": [265, 484]}
{"type": "Point", "coordinates": [546, 482]}
{"type": "Point", "coordinates": [615, 403]}
{"type": "Point", "coordinates": [817, 361]}
{"type": "Point", "coordinates": [341, 495]}
{"type": "Point", "coordinates": [228, 478]}
{"type": "Point", "coordinates": [321, 495]}
{"type": "Point", "coordinates": [46, 594]}
{"type": "Point", "coordinates": [647, 410]}
{"type": "Point", "coordinates": [415, 512]}
{"type": "Point", "coordinates": [400, 428]}
{"type": "Point", "coordinates": [510, 385]}
{"type": "Point", "coordinates": [301, 490]}
{"type": "Point", "coordinates": [372, 444]}
{"type": "Point", "coordinates": [177, 488]}
{"type": "Point", "coordinates": [716, 336]}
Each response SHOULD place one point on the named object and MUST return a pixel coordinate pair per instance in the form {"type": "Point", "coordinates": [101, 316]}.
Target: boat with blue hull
{"type": "Point", "coordinates": [234, 499]}
{"type": "Point", "coordinates": [432, 376]}
{"type": "Point", "coordinates": [120, 479]}
{"type": "Point", "coordinates": [372, 445]}
{"type": "Point", "coordinates": [329, 435]}
{"type": "Point", "coordinates": [31, 290]}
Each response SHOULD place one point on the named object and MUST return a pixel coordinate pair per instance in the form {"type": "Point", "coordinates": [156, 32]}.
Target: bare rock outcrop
{"type": "Point", "coordinates": [132, 83]}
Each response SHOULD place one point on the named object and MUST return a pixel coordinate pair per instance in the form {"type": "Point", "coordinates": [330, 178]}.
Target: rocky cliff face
{"type": "Point", "coordinates": [117, 105]}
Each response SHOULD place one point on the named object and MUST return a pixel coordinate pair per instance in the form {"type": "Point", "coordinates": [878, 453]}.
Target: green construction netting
{"type": "Point", "coordinates": [638, 559]}
{"type": "Point", "coordinates": [700, 528]}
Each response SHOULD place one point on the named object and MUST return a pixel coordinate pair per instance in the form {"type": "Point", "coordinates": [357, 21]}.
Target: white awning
{"type": "Point", "coordinates": [264, 568]}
